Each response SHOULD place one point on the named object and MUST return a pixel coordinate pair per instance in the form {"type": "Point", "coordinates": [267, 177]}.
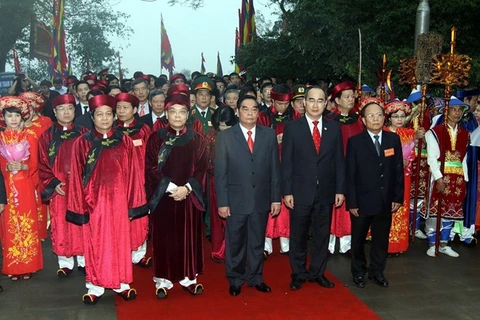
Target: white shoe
{"type": "Point", "coordinates": [420, 235]}
{"type": "Point", "coordinates": [431, 252]}
{"type": "Point", "coordinates": [448, 251]}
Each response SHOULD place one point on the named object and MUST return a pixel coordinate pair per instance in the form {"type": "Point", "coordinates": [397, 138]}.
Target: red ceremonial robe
{"type": "Point", "coordinates": [177, 225]}
{"type": "Point", "coordinates": [39, 126]}
{"type": "Point", "coordinates": [217, 223]}
{"type": "Point", "coordinates": [192, 123]}
{"type": "Point", "coordinates": [55, 150]}
{"type": "Point", "coordinates": [139, 133]}
{"type": "Point", "coordinates": [104, 193]}
{"type": "Point", "coordinates": [351, 125]}
{"type": "Point", "coordinates": [278, 226]}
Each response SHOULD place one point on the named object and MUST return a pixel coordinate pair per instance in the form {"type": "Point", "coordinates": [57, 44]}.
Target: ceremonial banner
{"type": "Point", "coordinates": [167, 60]}
{"type": "Point", "coordinates": [219, 66]}
{"type": "Point", "coordinates": [16, 62]}
{"type": "Point", "coordinates": [59, 54]}
{"type": "Point", "coordinates": [40, 41]}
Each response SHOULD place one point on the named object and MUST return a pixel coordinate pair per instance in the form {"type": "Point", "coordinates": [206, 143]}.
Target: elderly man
{"type": "Point", "coordinates": [375, 186]}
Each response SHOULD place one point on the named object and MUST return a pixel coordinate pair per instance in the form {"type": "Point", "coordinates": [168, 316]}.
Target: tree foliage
{"type": "Point", "coordinates": [319, 38]}
{"type": "Point", "coordinates": [89, 24]}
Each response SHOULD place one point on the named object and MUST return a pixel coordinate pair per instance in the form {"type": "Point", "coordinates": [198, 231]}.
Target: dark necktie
{"type": "Point", "coordinates": [202, 113]}
{"type": "Point", "coordinates": [250, 141]}
{"type": "Point", "coordinates": [85, 109]}
{"type": "Point", "coordinates": [377, 144]}
{"type": "Point", "coordinates": [317, 138]}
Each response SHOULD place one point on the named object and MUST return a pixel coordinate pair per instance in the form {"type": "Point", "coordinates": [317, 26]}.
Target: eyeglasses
{"type": "Point", "coordinates": [398, 117]}
{"type": "Point", "coordinates": [374, 115]}
{"type": "Point", "coordinates": [174, 112]}
{"type": "Point", "coordinates": [65, 109]}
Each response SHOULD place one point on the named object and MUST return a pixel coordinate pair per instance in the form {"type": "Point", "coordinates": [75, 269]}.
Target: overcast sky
{"type": "Point", "coordinates": [208, 29]}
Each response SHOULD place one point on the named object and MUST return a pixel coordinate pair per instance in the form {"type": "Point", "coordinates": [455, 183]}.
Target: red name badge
{"type": "Point", "coordinates": [389, 152]}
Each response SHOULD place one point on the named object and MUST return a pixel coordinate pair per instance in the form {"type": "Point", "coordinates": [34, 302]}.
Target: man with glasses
{"type": "Point", "coordinates": [141, 91]}
{"type": "Point", "coordinates": [375, 182]}
{"type": "Point", "coordinates": [176, 164]}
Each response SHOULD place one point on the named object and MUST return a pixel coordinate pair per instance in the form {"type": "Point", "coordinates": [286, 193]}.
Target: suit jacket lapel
{"type": "Point", "coordinates": [241, 138]}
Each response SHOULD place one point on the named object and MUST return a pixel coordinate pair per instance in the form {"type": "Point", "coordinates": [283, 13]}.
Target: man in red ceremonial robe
{"type": "Point", "coordinates": [275, 117]}
{"type": "Point", "coordinates": [55, 150]}
{"type": "Point", "coordinates": [127, 105]}
{"type": "Point", "coordinates": [343, 94]}
{"type": "Point", "coordinates": [105, 194]}
{"type": "Point", "coordinates": [192, 122]}
{"type": "Point", "coordinates": [176, 165]}
{"type": "Point", "coordinates": [36, 124]}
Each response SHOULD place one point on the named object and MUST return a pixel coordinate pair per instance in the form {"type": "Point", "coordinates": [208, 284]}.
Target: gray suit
{"type": "Point", "coordinates": [248, 184]}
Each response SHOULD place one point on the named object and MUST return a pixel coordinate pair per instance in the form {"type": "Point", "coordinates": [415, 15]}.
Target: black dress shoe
{"type": "Point", "coordinates": [359, 281]}
{"type": "Point", "coordinates": [262, 287]}
{"type": "Point", "coordinates": [324, 282]}
{"type": "Point", "coordinates": [297, 284]}
{"type": "Point", "coordinates": [235, 290]}
{"type": "Point", "coordinates": [380, 280]}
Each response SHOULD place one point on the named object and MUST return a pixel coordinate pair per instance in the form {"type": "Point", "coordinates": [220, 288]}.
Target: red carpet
{"type": "Point", "coordinates": [311, 302]}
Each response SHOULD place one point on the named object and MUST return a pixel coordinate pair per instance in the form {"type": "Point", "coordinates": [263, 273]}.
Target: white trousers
{"type": "Point", "coordinates": [167, 284]}
{"type": "Point", "coordinates": [98, 291]}
{"type": "Point", "coordinates": [140, 253]}
{"type": "Point", "coordinates": [284, 245]}
{"type": "Point", "coordinates": [69, 262]}
{"type": "Point", "coordinates": [345, 244]}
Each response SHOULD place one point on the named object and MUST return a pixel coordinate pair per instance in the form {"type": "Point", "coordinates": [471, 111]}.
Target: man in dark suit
{"type": "Point", "coordinates": [313, 179]}
{"type": "Point", "coordinates": [157, 104]}
{"type": "Point", "coordinates": [49, 95]}
{"type": "Point", "coordinates": [374, 191]}
{"type": "Point", "coordinates": [247, 183]}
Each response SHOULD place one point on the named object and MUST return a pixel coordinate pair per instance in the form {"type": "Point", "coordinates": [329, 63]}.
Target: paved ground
{"type": "Point", "coordinates": [420, 288]}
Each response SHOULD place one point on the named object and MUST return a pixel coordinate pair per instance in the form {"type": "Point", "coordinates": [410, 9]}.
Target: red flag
{"type": "Point", "coordinates": [16, 62]}
{"type": "Point", "coordinates": [167, 60]}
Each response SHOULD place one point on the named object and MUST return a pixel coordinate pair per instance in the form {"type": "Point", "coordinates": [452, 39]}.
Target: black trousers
{"type": "Point", "coordinates": [301, 218]}
{"type": "Point", "coordinates": [244, 244]}
{"type": "Point", "coordinates": [380, 225]}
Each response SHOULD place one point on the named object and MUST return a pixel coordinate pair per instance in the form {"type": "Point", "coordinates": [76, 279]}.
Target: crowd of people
{"type": "Point", "coordinates": [114, 166]}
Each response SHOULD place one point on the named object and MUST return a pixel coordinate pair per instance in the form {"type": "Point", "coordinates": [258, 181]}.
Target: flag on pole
{"type": "Point", "coordinates": [237, 45]}
{"type": "Point", "coordinates": [240, 23]}
{"type": "Point", "coordinates": [167, 60]}
{"type": "Point", "coordinates": [252, 26]}
{"type": "Point", "coordinates": [202, 67]}
{"type": "Point", "coordinates": [40, 40]}
{"type": "Point", "coordinates": [245, 21]}
{"type": "Point", "coordinates": [59, 55]}
{"type": "Point", "coordinates": [69, 70]}
{"type": "Point", "coordinates": [120, 73]}
{"type": "Point", "coordinates": [219, 66]}
{"type": "Point", "coordinates": [16, 61]}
